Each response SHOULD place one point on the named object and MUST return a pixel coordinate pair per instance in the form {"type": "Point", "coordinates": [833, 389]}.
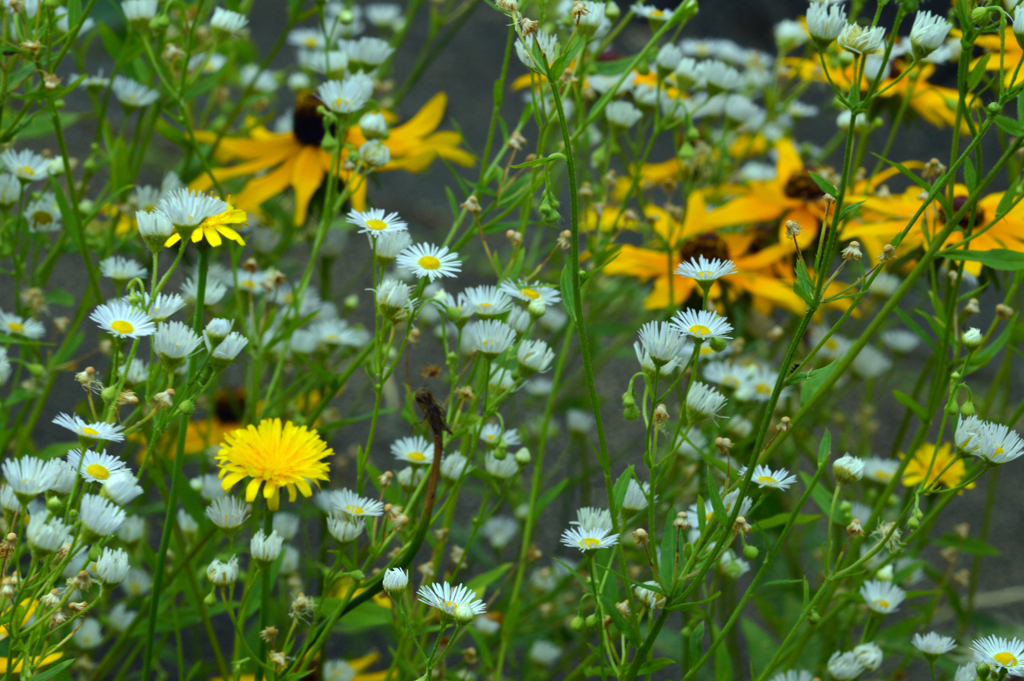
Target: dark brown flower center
{"type": "Point", "coordinates": [977, 212]}
{"type": "Point", "coordinates": [801, 186]}
{"type": "Point", "coordinates": [307, 125]}
{"type": "Point", "coordinates": [707, 244]}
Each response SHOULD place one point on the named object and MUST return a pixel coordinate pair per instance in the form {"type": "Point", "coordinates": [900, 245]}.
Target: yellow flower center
{"type": "Point", "coordinates": [881, 603]}
{"type": "Point", "coordinates": [831, 344]}
{"type": "Point", "coordinates": [416, 456]}
{"type": "Point", "coordinates": [703, 274]}
{"type": "Point", "coordinates": [89, 431]}
{"type": "Point", "coordinates": [485, 305]}
{"type": "Point", "coordinates": [530, 293]}
{"type": "Point", "coordinates": [589, 543]}
{"type": "Point", "coordinates": [16, 327]}
{"type": "Point", "coordinates": [310, 42]}
{"type": "Point", "coordinates": [25, 170]}
{"type": "Point", "coordinates": [730, 382]}
{"type": "Point", "coordinates": [354, 510]}
{"type": "Point", "coordinates": [429, 262]}
{"type": "Point", "coordinates": [700, 330]}
{"type": "Point", "coordinates": [999, 450]}
{"type": "Point", "coordinates": [657, 13]}
{"type": "Point", "coordinates": [98, 471]}
{"type": "Point", "coordinates": [122, 326]}
{"type": "Point", "coordinates": [376, 224]}
{"type": "Point", "coordinates": [1005, 659]}
{"type": "Point", "coordinates": [882, 475]}
{"type": "Point", "coordinates": [767, 480]}
{"type": "Point", "coordinates": [709, 516]}
{"type": "Point", "coordinates": [764, 389]}
{"type": "Point", "coordinates": [42, 218]}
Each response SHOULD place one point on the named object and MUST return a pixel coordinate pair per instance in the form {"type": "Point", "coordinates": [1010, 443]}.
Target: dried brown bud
{"type": "Point", "coordinates": [852, 251]}
{"type": "Point", "coordinates": [465, 393]}
{"type": "Point", "coordinates": [723, 444]}
{"type": "Point", "coordinates": [514, 236]}
{"type": "Point", "coordinates": [164, 400]}
{"type": "Point", "coordinates": [661, 414]}
{"type": "Point", "coordinates": [775, 333]}
{"type": "Point", "coordinates": [469, 656]}
{"type": "Point", "coordinates": [783, 424]}
{"type": "Point", "coordinates": [682, 521]}
{"type": "Point", "coordinates": [533, 553]}
{"type": "Point", "coordinates": [962, 530]}
{"type": "Point", "coordinates": [585, 190]}
{"type": "Point", "coordinates": [51, 81]}
{"type": "Point", "coordinates": [888, 253]}
{"type": "Point", "coordinates": [269, 635]}
{"type": "Point", "coordinates": [565, 240]}
{"type": "Point", "coordinates": [385, 479]}
{"type": "Point", "coordinates": [1004, 311]}
{"type": "Point", "coordinates": [972, 307]}
{"type": "Point", "coordinates": [414, 336]}
{"type": "Point", "coordinates": [793, 228]}
{"type": "Point", "coordinates": [855, 529]}
{"type": "Point", "coordinates": [640, 536]}
{"type": "Point", "coordinates": [61, 324]}
{"type": "Point", "coordinates": [741, 525]}
{"type": "Point", "coordinates": [472, 204]}
{"type": "Point", "coordinates": [251, 266]}
{"type": "Point", "coordinates": [528, 27]}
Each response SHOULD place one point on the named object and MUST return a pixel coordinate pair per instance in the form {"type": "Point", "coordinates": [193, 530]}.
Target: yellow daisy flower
{"type": "Point", "coordinates": [213, 228]}
{"type": "Point", "coordinates": [947, 469]}
{"type": "Point", "coordinates": [277, 454]}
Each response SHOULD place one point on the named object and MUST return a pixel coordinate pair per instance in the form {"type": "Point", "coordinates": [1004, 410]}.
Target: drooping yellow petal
{"type": "Point", "coordinates": [307, 175]}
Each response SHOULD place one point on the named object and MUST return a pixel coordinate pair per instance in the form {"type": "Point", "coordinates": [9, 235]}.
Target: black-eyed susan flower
{"type": "Point", "coordinates": [295, 158]}
{"type": "Point", "coordinates": [276, 455]}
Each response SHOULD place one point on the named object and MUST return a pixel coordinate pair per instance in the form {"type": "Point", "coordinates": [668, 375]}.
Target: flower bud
{"type": "Point", "coordinates": [592, 621]}
{"type": "Point", "coordinates": [718, 344]}
{"type": "Point", "coordinates": [848, 470]}
{"type": "Point", "coordinates": [750, 552]}
{"type": "Point", "coordinates": [578, 624]}
{"type": "Point", "coordinates": [972, 339]}
{"type": "Point", "coordinates": [463, 614]}
{"type": "Point", "coordinates": [523, 457]}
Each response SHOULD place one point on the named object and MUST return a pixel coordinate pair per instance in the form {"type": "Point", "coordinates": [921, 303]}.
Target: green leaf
{"type": "Point", "coordinates": [567, 298]}
{"type": "Point", "coordinates": [696, 642]}
{"type": "Point", "coordinates": [1010, 126]}
{"type": "Point", "coordinates": [761, 645]}
{"type": "Point", "coordinates": [558, 66]}
{"type": "Point", "coordinates": [978, 72]}
{"type": "Point", "coordinates": [54, 670]}
{"type": "Point", "coordinates": [916, 328]}
{"type": "Point", "coordinates": [997, 258]}
{"type": "Point", "coordinates": [669, 544]}
{"type": "Point", "coordinates": [621, 623]}
{"type": "Point", "coordinates": [723, 663]}
{"type": "Point", "coordinates": [988, 353]}
{"type": "Point", "coordinates": [908, 402]}
{"type": "Point", "coordinates": [970, 545]}
{"type": "Point", "coordinates": [906, 172]}
{"type": "Point", "coordinates": [803, 286]}
{"type": "Point", "coordinates": [780, 519]}
{"type": "Point", "coordinates": [482, 581]}
{"type": "Point", "coordinates": [825, 448]}
{"type": "Point", "coordinates": [814, 380]}
{"type": "Point", "coordinates": [620, 487]}
{"type": "Point", "coordinates": [716, 501]}
{"type": "Point", "coordinates": [551, 495]}
{"type": "Point", "coordinates": [824, 184]}
{"type": "Point", "coordinates": [612, 68]}
{"type": "Point", "coordinates": [59, 296]}
{"type": "Point", "coordinates": [654, 665]}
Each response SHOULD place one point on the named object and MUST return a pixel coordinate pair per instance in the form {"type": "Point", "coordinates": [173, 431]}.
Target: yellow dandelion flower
{"type": "Point", "coordinates": [947, 469]}
{"type": "Point", "coordinates": [277, 454]}
{"type": "Point", "coordinates": [213, 228]}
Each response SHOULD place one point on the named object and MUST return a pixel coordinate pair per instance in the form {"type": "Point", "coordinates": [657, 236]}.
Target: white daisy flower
{"type": "Point", "coordinates": [228, 349]}
{"type": "Point", "coordinates": [490, 337]}
{"type": "Point", "coordinates": [95, 466]}
{"type": "Point", "coordinates": [622, 114]}
{"type": "Point", "coordinates": [138, 583]}
{"type": "Point", "coordinates": [395, 579]}
{"type": "Point", "coordinates": [848, 469]}
{"type": "Point", "coordinates": [636, 495]}
{"type": "Point", "coordinates": [501, 468]}
{"type": "Point", "coordinates": [43, 214]}
{"type": "Point", "coordinates": [415, 450]}
{"type": "Point", "coordinates": [544, 653]}
{"type": "Point", "coordinates": [844, 666]}
{"type": "Point", "coordinates": [345, 528]}
{"type": "Point", "coordinates": [794, 674]}
{"type": "Point", "coordinates": [588, 539]}
{"type": "Point", "coordinates": [392, 296]}
{"type": "Point", "coordinates": [25, 165]}
{"type": "Point", "coordinates": [99, 516]}
{"type": "Point", "coordinates": [121, 320]}
{"type": "Point", "coordinates": [227, 512]}
{"type": "Point", "coordinates": [26, 327]}
{"type": "Point", "coordinates": [28, 476]}
{"type": "Point", "coordinates": [348, 95]}
{"type": "Point", "coordinates": [665, 370]}
{"type": "Point", "coordinates": [174, 342]}
{"type": "Point", "coordinates": [759, 385]}
{"type": "Point", "coordinates": [484, 301]}
{"type": "Point", "coordinates": [594, 518]}
{"type": "Point", "coordinates": [726, 374]}
{"type": "Point", "coordinates": [900, 341]}
{"type": "Point", "coordinates": [46, 536]}
{"type": "Point", "coordinates": [384, 15]}
{"type": "Point", "coordinates": [308, 38]}
{"type": "Point", "coordinates": [223, 573]}
{"type": "Point", "coordinates": [528, 291]}
{"type": "Point", "coordinates": [492, 435]}
{"type": "Point", "coordinates": [88, 634]}
{"type": "Point", "coordinates": [1000, 654]}
{"type": "Point", "coordinates": [66, 477]}
{"type": "Point", "coordinates": [861, 39]}
{"type": "Point", "coordinates": [933, 644]}
{"type": "Point", "coordinates": [347, 502]}
{"type": "Point", "coordinates": [389, 244]}
{"type": "Point", "coordinates": [825, 21]}
{"type": "Point", "coordinates": [703, 269]}
{"type": "Point", "coordinates": [112, 566]}
{"type": "Point", "coordinates": [162, 307]}
{"type": "Point", "coordinates": [702, 324]}
{"type": "Point", "coordinates": [499, 530]}
{"type": "Point", "coordinates": [870, 363]}
{"type": "Point", "coordinates": [649, 12]}
{"type": "Point", "coordinates": [432, 262]}
{"type": "Point", "coordinates": [447, 598]}
{"type": "Point", "coordinates": [368, 51]}
{"type": "Point", "coordinates": [93, 431]}
{"type": "Point", "coordinates": [453, 466]}
{"type": "Point", "coordinates": [188, 208]}
{"type": "Point", "coordinates": [286, 524]}
{"type": "Point", "coordinates": [265, 549]}
{"type": "Point", "coordinates": [226, 21]}
{"type": "Point", "coordinates": [928, 33]}
{"type": "Point", "coordinates": [120, 618]}
{"type": "Point", "coordinates": [703, 401]}
{"type": "Point", "coordinates": [10, 190]}
{"type": "Point", "coordinates": [252, 282]}
{"type": "Point", "coordinates": [534, 357]}
{"type": "Point", "coordinates": [374, 222]}
{"type": "Point", "coordinates": [122, 269]}
{"type": "Point", "coordinates": [131, 93]}
{"type": "Point", "coordinates": [765, 477]}
{"type": "Point", "coordinates": [154, 225]}
{"type": "Point", "coordinates": [133, 529]}
{"type": "Point", "coordinates": [139, 10]}
{"type": "Point", "coordinates": [122, 488]}
{"type": "Point", "coordinates": [213, 294]}
{"type": "Point", "coordinates": [662, 342]}
{"type": "Point", "coordinates": [880, 470]}
{"type": "Point", "coordinates": [882, 597]}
